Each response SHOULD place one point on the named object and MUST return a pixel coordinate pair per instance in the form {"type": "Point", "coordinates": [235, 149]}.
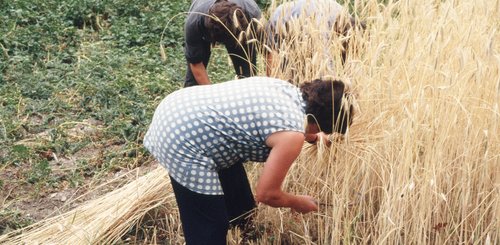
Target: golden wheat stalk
{"type": "Point", "coordinates": [101, 221]}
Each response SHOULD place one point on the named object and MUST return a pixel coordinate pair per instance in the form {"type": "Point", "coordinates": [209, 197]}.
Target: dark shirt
{"type": "Point", "coordinates": [197, 46]}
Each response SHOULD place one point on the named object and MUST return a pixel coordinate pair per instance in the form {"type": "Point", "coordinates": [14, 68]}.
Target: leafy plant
{"type": "Point", "coordinates": [76, 75]}
{"type": "Point", "coordinates": [40, 171]}
{"type": "Point", "coordinates": [79, 82]}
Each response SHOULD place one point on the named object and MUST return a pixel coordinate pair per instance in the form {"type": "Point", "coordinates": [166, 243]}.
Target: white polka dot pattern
{"type": "Point", "coordinates": [199, 130]}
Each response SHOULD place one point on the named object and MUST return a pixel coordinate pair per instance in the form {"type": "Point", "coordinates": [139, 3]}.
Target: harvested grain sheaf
{"type": "Point", "coordinates": [101, 221]}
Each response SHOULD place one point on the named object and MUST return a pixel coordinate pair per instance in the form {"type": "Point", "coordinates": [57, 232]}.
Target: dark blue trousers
{"type": "Point", "coordinates": [244, 62]}
{"type": "Point", "coordinates": [206, 218]}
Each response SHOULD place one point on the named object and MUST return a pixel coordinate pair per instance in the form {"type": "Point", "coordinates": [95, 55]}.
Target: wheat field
{"type": "Point", "coordinates": [420, 164]}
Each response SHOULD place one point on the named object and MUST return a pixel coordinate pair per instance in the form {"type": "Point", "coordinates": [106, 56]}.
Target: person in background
{"type": "Point", "coordinates": [201, 132]}
{"type": "Point", "coordinates": [219, 21]}
{"type": "Point", "coordinates": [328, 16]}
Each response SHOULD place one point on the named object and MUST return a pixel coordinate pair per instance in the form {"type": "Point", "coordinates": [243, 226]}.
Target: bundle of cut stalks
{"type": "Point", "coordinates": [101, 221]}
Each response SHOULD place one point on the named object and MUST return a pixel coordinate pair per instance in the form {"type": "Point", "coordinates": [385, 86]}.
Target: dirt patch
{"type": "Point", "coordinates": [21, 204]}
{"type": "Point", "coordinates": [32, 190]}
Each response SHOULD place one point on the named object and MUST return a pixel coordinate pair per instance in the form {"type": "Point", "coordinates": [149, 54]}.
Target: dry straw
{"type": "Point", "coordinates": [420, 164]}
{"type": "Point", "coordinates": [104, 220]}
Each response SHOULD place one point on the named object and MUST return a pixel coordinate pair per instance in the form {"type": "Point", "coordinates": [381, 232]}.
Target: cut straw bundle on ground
{"type": "Point", "coordinates": [104, 220]}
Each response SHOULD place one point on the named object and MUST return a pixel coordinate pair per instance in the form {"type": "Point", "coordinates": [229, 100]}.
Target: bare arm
{"type": "Point", "coordinates": [269, 63]}
{"type": "Point", "coordinates": [286, 146]}
{"type": "Point", "coordinates": [200, 73]}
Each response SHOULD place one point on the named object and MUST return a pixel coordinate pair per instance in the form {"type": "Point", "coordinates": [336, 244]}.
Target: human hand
{"type": "Point", "coordinates": [305, 204]}
{"type": "Point", "coordinates": [319, 138]}
{"type": "Point", "coordinates": [324, 138]}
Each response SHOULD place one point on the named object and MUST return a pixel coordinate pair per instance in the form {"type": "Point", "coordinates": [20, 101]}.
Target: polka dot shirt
{"type": "Point", "coordinates": [199, 130]}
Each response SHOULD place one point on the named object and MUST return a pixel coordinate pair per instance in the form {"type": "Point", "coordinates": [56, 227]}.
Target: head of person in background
{"type": "Point", "coordinates": [202, 135]}
{"type": "Point", "coordinates": [346, 28]}
{"type": "Point", "coordinates": [319, 23]}
{"type": "Point", "coordinates": [223, 22]}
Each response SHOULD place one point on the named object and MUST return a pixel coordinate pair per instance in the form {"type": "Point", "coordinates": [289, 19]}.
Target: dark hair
{"type": "Point", "coordinates": [225, 21]}
{"type": "Point", "coordinates": [342, 27]}
{"type": "Point", "coordinates": [328, 105]}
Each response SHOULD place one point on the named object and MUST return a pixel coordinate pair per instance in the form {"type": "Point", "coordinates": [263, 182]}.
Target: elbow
{"type": "Point", "coordinates": [260, 197]}
{"type": "Point", "coordinates": [270, 198]}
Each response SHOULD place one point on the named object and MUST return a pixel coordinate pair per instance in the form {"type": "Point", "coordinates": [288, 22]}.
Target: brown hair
{"type": "Point", "coordinates": [328, 104]}
{"type": "Point", "coordinates": [342, 27]}
{"type": "Point", "coordinates": [225, 22]}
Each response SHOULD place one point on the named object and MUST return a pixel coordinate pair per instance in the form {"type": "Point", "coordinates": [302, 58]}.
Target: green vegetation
{"type": "Point", "coordinates": [78, 86]}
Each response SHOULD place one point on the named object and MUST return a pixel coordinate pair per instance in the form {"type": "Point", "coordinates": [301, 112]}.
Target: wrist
{"type": "Point", "coordinates": [313, 139]}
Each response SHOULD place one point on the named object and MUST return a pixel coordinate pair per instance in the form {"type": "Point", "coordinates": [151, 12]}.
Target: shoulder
{"type": "Point", "coordinates": [285, 11]}
{"type": "Point", "coordinates": [265, 84]}
{"type": "Point", "coordinates": [260, 79]}
{"type": "Point", "coordinates": [250, 7]}
{"type": "Point", "coordinates": [197, 12]}
{"type": "Point", "coordinates": [201, 6]}
{"type": "Point", "coordinates": [194, 28]}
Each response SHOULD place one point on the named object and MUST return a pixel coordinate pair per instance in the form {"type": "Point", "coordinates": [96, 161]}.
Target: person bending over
{"type": "Point", "coordinates": [219, 21]}
{"type": "Point", "coordinates": [328, 18]}
{"type": "Point", "coordinates": [200, 133]}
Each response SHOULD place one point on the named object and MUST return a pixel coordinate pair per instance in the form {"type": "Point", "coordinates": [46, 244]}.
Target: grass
{"type": "Point", "coordinates": [420, 164]}
{"type": "Point", "coordinates": [79, 83]}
